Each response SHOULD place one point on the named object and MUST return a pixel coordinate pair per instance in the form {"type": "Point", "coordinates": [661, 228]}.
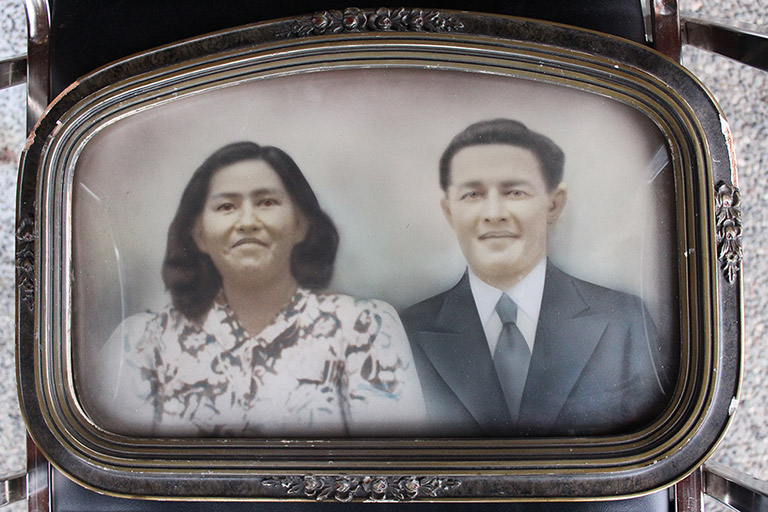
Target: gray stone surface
{"type": "Point", "coordinates": [743, 95]}
{"type": "Point", "coordinates": [13, 33]}
{"type": "Point", "coordinates": [12, 41]}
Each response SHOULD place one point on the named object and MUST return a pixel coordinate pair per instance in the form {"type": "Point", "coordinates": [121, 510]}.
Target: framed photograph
{"type": "Point", "coordinates": [381, 255]}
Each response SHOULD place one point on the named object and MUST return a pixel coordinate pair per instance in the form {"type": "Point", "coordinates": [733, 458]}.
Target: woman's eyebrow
{"type": "Point", "coordinates": [252, 193]}
{"type": "Point", "coordinates": [225, 195]}
{"type": "Point", "coordinates": [265, 191]}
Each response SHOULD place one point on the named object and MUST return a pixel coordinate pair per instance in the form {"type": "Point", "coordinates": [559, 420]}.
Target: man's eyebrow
{"type": "Point", "coordinates": [513, 183]}
{"type": "Point", "coordinates": [482, 184]}
{"type": "Point", "coordinates": [470, 184]}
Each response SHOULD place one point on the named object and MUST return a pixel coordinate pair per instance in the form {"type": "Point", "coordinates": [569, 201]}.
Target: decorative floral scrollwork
{"type": "Point", "coordinates": [25, 261]}
{"type": "Point", "coordinates": [728, 226]}
{"type": "Point", "coordinates": [370, 488]}
{"type": "Point", "coordinates": [382, 19]}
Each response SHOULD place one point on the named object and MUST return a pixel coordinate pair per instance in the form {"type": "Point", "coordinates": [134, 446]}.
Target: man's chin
{"type": "Point", "coordinates": [500, 274]}
{"type": "Point", "coordinates": [500, 259]}
{"type": "Point", "coordinates": [499, 245]}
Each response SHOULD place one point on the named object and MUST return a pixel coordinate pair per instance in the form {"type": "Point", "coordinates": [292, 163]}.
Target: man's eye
{"type": "Point", "coordinates": [473, 194]}
{"type": "Point", "coordinates": [516, 192]}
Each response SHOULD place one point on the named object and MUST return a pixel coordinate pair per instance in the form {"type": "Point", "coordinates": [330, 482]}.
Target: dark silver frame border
{"type": "Point", "coordinates": [379, 469]}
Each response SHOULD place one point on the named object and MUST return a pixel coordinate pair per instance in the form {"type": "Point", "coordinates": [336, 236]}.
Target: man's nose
{"type": "Point", "coordinates": [494, 208]}
{"type": "Point", "coordinates": [248, 219]}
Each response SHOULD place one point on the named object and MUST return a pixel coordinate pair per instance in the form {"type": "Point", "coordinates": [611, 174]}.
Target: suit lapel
{"type": "Point", "coordinates": [458, 350]}
{"type": "Point", "coordinates": [566, 337]}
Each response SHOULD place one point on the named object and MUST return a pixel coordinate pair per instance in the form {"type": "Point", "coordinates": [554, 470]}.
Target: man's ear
{"type": "Point", "coordinates": [557, 200]}
{"type": "Point", "coordinates": [445, 205]}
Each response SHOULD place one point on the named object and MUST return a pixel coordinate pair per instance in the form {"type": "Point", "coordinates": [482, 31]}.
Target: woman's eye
{"type": "Point", "coordinates": [268, 202]}
{"type": "Point", "coordinates": [225, 207]}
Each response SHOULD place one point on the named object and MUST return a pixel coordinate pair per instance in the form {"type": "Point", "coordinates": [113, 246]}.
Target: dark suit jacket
{"type": "Point", "coordinates": [595, 367]}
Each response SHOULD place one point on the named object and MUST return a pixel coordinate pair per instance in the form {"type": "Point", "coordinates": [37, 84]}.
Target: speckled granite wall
{"type": "Point", "coordinates": [13, 33]}
{"type": "Point", "coordinates": [743, 95]}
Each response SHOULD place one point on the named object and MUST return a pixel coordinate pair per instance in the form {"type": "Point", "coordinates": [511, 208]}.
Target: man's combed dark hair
{"type": "Point", "coordinates": [506, 131]}
{"type": "Point", "coordinates": [191, 276]}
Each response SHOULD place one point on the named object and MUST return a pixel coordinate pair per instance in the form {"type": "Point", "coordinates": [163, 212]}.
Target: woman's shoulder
{"type": "Point", "coordinates": [340, 301]}
{"type": "Point", "coordinates": [160, 317]}
{"type": "Point", "coordinates": [354, 315]}
{"type": "Point", "coordinates": [147, 323]}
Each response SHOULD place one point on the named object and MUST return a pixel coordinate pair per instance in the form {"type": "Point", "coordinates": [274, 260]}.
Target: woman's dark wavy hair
{"type": "Point", "coordinates": [190, 275]}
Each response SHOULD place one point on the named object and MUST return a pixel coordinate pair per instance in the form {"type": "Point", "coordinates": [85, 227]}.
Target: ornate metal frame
{"type": "Point", "coordinates": [708, 258]}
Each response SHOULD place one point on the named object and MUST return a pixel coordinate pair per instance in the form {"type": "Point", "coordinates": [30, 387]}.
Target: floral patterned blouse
{"type": "Point", "coordinates": [327, 364]}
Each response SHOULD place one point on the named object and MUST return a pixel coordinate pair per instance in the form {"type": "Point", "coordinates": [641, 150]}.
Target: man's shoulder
{"type": "Point", "coordinates": [598, 296]}
{"type": "Point", "coordinates": [424, 313]}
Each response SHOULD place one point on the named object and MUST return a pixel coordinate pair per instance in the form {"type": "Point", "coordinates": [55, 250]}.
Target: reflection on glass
{"type": "Point", "coordinates": [402, 240]}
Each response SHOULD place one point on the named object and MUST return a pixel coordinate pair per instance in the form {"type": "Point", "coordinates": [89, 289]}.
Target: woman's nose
{"type": "Point", "coordinates": [248, 219]}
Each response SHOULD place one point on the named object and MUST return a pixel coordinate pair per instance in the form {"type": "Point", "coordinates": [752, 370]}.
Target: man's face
{"type": "Point", "coordinates": [498, 204]}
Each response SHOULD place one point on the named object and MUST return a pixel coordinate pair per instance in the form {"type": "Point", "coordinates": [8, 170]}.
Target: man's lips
{"type": "Point", "coordinates": [248, 241]}
{"type": "Point", "coordinates": [490, 235]}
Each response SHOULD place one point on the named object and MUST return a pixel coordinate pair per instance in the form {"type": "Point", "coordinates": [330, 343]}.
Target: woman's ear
{"type": "Point", "coordinates": [197, 236]}
{"type": "Point", "coordinates": [302, 227]}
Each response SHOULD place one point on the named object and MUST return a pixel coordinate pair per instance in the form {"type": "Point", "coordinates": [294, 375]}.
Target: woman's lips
{"type": "Point", "coordinates": [248, 241]}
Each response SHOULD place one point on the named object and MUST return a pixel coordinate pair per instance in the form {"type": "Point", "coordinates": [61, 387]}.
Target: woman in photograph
{"type": "Point", "coordinates": [249, 345]}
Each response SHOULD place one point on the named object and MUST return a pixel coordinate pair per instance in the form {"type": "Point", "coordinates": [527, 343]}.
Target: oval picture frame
{"type": "Point", "coordinates": [699, 210]}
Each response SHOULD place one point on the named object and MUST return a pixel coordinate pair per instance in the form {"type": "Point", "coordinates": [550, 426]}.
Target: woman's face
{"type": "Point", "coordinates": [249, 223]}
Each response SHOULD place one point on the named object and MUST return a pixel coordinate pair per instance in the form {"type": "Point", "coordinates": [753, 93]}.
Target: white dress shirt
{"type": "Point", "coordinates": [527, 296]}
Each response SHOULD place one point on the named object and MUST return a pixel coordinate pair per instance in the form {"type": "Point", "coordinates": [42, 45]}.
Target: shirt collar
{"type": "Point", "coordinates": [526, 294]}
{"type": "Point", "coordinates": [221, 313]}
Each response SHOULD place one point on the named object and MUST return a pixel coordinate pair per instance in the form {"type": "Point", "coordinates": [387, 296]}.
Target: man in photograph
{"type": "Point", "coordinates": [519, 347]}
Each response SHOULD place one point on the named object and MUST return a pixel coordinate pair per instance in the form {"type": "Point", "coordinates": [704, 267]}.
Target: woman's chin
{"type": "Point", "coordinates": [256, 272]}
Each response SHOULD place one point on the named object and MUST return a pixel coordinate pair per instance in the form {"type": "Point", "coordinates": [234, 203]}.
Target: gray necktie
{"type": "Point", "coordinates": [511, 357]}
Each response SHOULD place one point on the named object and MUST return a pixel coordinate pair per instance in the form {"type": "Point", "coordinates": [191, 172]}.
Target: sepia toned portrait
{"type": "Point", "coordinates": [376, 252]}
